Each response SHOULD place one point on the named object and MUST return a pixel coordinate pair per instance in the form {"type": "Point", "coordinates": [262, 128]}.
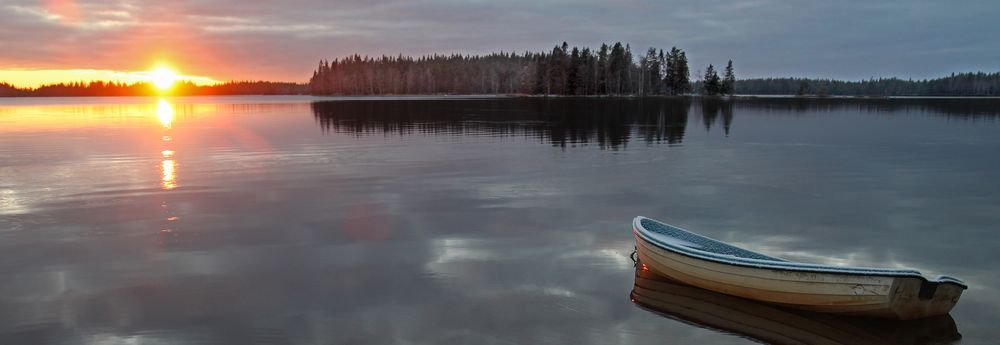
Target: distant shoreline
{"type": "Point", "coordinates": [482, 96]}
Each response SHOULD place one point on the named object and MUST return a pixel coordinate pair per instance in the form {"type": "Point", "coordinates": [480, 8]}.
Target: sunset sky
{"type": "Point", "coordinates": [42, 41]}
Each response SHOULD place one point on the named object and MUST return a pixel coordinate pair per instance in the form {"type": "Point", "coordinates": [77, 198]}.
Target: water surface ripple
{"type": "Point", "coordinates": [467, 220]}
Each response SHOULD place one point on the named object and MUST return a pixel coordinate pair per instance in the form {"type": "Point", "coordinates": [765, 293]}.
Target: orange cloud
{"type": "Point", "coordinates": [67, 10]}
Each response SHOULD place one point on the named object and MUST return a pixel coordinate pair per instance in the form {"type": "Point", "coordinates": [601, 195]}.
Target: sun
{"type": "Point", "coordinates": [163, 77]}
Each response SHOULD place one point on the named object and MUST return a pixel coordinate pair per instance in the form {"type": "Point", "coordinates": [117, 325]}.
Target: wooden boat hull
{"type": "Point", "coordinates": [896, 297]}
{"type": "Point", "coordinates": [774, 324]}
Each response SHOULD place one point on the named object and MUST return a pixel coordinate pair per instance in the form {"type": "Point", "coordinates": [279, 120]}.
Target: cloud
{"type": "Point", "coordinates": [232, 39]}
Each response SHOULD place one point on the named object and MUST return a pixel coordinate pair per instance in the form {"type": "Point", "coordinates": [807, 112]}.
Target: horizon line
{"type": "Point", "coordinates": [213, 82]}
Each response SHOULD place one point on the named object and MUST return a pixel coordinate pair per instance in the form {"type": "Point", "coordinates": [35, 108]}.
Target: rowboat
{"type": "Point", "coordinates": [773, 324]}
{"type": "Point", "coordinates": [696, 260]}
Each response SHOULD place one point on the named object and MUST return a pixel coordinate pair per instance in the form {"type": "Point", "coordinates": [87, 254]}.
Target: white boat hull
{"type": "Point", "coordinates": [897, 297]}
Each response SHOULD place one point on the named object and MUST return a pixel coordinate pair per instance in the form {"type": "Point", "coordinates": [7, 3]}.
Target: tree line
{"type": "Point", "coordinates": [960, 84]}
{"type": "Point", "coordinates": [608, 70]}
{"type": "Point", "coordinates": [181, 88]}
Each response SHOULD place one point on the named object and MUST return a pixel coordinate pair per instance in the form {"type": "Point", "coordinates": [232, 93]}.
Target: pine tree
{"type": "Point", "coordinates": [587, 72]}
{"type": "Point", "coordinates": [712, 83]}
{"type": "Point", "coordinates": [676, 72]}
{"type": "Point", "coordinates": [617, 69]}
{"type": "Point", "coordinates": [670, 70]}
{"type": "Point", "coordinates": [627, 72]}
{"type": "Point", "coordinates": [573, 78]}
{"type": "Point", "coordinates": [602, 70]}
{"type": "Point", "coordinates": [650, 73]}
{"type": "Point", "coordinates": [683, 73]}
{"type": "Point", "coordinates": [729, 80]}
{"type": "Point", "coordinates": [558, 66]}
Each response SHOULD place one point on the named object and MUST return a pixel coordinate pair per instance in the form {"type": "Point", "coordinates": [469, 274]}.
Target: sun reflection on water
{"type": "Point", "coordinates": [165, 112]}
{"type": "Point", "coordinates": [168, 167]}
{"type": "Point", "coordinates": [169, 180]}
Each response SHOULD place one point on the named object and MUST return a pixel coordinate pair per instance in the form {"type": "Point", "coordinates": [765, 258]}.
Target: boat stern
{"type": "Point", "coordinates": [915, 298]}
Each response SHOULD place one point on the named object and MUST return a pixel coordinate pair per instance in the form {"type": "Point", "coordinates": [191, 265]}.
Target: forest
{"type": "Point", "coordinates": [182, 88]}
{"type": "Point", "coordinates": [608, 70]}
{"type": "Point", "coordinates": [960, 84]}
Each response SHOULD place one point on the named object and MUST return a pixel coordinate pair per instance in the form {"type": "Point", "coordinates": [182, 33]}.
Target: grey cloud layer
{"type": "Point", "coordinates": [240, 39]}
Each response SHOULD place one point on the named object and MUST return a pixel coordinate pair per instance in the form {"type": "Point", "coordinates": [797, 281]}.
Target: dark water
{"type": "Point", "coordinates": [488, 221]}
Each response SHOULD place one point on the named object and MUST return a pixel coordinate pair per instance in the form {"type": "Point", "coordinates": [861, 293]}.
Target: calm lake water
{"type": "Point", "coordinates": [282, 220]}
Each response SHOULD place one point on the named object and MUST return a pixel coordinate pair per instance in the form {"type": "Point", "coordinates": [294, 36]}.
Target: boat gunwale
{"type": "Point", "coordinates": [779, 264]}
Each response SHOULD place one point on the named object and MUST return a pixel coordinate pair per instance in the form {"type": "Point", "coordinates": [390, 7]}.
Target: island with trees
{"type": "Point", "coordinates": [608, 70]}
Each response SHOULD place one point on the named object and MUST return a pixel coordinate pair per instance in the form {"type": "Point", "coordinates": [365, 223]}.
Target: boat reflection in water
{"type": "Point", "coordinates": [778, 325]}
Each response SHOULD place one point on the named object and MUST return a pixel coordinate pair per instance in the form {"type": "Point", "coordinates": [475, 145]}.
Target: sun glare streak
{"type": "Point", "coordinates": [165, 112]}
